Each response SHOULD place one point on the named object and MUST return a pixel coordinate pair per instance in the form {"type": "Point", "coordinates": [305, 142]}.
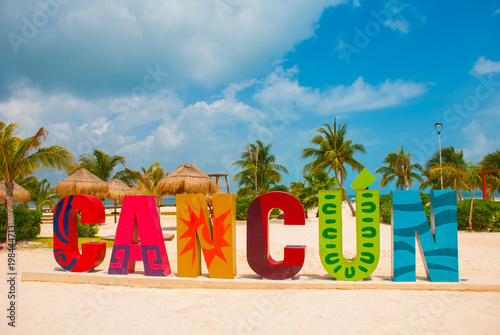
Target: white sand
{"type": "Point", "coordinates": [52, 308]}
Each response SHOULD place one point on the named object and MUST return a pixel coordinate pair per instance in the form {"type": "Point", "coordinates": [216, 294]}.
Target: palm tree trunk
{"type": "Point", "coordinates": [9, 194]}
{"type": "Point", "coordinates": [353, 211]}
{"type": "Point", "coordinates": [471, 207]}
{"type": "Point", "coordinates": [256, 161]}
{"type": "Point", "coordinates": [256, 192]}
{"type": "Point", "coordinates": [158, 207]}
{"type": "Point", "coordinates": [341, 183]}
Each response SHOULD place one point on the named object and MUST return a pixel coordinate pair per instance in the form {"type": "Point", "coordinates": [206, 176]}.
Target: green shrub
{"type": "Point", "coordinates": [27, 223]}
{"type": "Point", "coordinates": [385, 207]}
{"type": "Point", "coordinates": [242, 207]}
{"type": "Point", "coordinates": [275, 212]}
{"type": "Point", "coordinates": [495, 225]}
{"type": "Point", "coordinates": [87, 230]}
{"type": "Point", "coordinates": [485, 215]}
{"type": "Point", "coordinates": [425, 198]}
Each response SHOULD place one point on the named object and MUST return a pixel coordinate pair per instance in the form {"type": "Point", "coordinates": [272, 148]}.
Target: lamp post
{"type": "Point", "coordinates": [439, 127]}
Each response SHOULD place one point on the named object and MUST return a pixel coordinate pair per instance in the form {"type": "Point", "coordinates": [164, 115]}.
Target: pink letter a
{"type": "Point", "coordinates": [139, 220]}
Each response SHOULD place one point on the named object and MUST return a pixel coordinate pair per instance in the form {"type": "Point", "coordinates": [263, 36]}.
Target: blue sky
{"type": "Point", "coordinates": [195, 81]}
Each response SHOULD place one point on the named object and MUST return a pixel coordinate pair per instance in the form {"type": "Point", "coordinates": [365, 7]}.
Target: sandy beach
{"type": "Point", "coordinates": [57, 308]}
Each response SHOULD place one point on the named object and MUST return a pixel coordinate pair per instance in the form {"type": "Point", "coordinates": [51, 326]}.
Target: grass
{"type": "Point", "coordinates": [48, 241]}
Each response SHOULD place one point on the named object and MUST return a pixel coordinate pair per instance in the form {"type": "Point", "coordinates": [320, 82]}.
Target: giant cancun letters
{"type": "Point", "coordinates": [367, 231]}
{"type": "Point", "coordinates": [139, 222]}
{"type": "Point", "coordinates": [65, 238]}
{"type": "Point", "coordinates": [216, 240]}
{"type": "Point", "coordinates": [258, 255]}
{"type": "Point", "coordinates": [438, 243]}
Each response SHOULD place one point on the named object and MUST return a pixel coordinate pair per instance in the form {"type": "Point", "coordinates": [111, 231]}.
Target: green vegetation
{"type": "Point", "coordinates": [332, 151]}
{"type": "Point", "coordinates": [385, 206]}
{"type": "Point", "coordinates": [88, 230]}
{"type": "Point", "coordinates": [401, 169]}
{"type": "Point", "coordinates": [145, 181]}
{"type": "Point", "coordinates": [42, 194]}
{"type": "Point", "coordinates": [242, 207]}
{"type": "Point", "coordinates": [100, 163]}
{"type": "Point", "coordinates": [307, 190]}
{"type": "Point", "coordinates": [27, 223]}
{"type": "Point", "coordinates": [23, 157]}
{"type": "Point", "coordinates": [486, 215]}
{"type": "Point", "coordinates": [491, 161]}
{"type": "Point", "coordinates": [260, 174]}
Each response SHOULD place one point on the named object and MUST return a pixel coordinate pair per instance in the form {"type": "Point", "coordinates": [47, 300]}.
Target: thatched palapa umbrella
{"type": "Point", "coordinates": [186, 178]}
{"type": "Point", "coordinates": [138, 190]}
{"type": "Point", "coordinates": [20, 194]}
{"type": "Point", "coordinates": [118, 190]}
{"type": "Point", "coordinates": [82, 182]}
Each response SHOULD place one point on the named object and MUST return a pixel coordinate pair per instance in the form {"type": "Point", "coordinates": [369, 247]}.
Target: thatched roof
{"type": "Point", "coordinates": [118, 189]}
{"type": "Point", "coordinates": [138, 190]}
{"type": "Point", "coordinates": [82, 182]}
{"type": "Point", "coordinates": [20, 194]}
{"type": "Point", "coordinates": [186, 178]}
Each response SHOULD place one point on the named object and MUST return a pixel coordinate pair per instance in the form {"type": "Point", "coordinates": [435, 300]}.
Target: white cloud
{"type": "Point", "coordinates": [356, 3]}
{"type": "Point", "coordinates": [98, 126]}
{"type": "Point", "coordinates": [496, 12]}
{"type": "Point", "coordinates": [168, 135]}
{"type": "Point", "coordinates": [60, 132]}
{"type": "Point", "coordinates": [477, 142]}
{"type": "Point", "coordinates": [138, 146]}
{"type": "Point", "coordinates": [485, 66]}
{"type": "Point", "coordinates": [34, 109]}
{"type": "Point", "coordinates": [400, 24]}
{"type": "Point", "coordinates": [361, 96]}
{"type": "Point", "coordinates": [191, 39]}
{"type": "Point", "coordinates": [281, 89]}
{"type": "Point", "coordinates": [211, 134]}
{"type": "Point", "coordinates": [232, 89]}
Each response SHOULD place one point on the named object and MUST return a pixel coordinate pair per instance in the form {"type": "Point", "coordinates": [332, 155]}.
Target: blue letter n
{"type": "Point", "coordinates": [438, 244]}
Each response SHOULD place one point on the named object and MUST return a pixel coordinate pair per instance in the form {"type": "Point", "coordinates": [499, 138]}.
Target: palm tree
{"type": "Point", "coordinates": [474, 181]}
{"type": "Point", "coordinates": [449, 155]}
{"type": "Point", "coordinates": [150, 178]}
{"type": "Point", "coordinates": [492, 162]}
{"type": "Point", "coordinates": [27, 182]}
{"type": "Point", "coordinates": [466, 177]}
{"type": "Point", "coordinates": [100, 163]}
{"type": "Point", "coordinates": [334, 150]}
{"type": "Point", "coordinates": [456, 176]}
{"type": "Point", "coordinates": [23, 157]}
{"type": "Point", "coordinates": [400, 168]}
{"type": "Point", "coordinates": [260, 174]}
{"type": "Point", "coordinates": [147, 180]}
{"type": "Point", "coordinates": [307, 191]}
{"type": "Point", "coordinates": [42, 194]}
